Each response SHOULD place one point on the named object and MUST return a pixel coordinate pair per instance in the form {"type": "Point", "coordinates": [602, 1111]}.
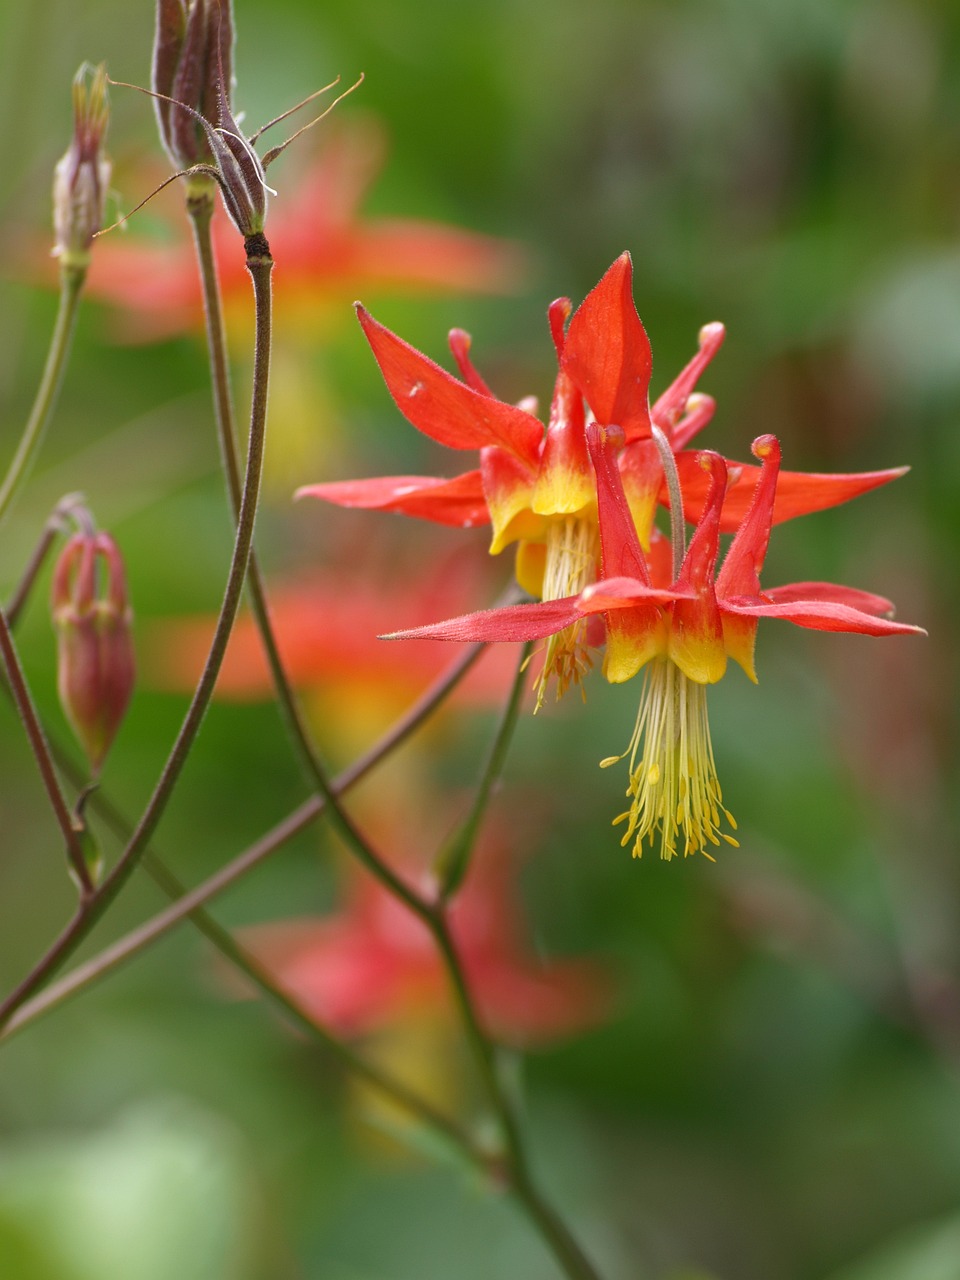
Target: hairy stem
{"type": "Point", "coordinates": [200, 207]}
{"type": "Point", "coordinates": [71, 287]}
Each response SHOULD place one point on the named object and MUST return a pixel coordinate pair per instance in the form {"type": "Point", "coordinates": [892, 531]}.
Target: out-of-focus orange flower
{"type": "Point", "coordinates": [372, 965]}
{"type": "Point", "coordinates": [326, 627]}
{"type": "Point", "coordinates": [323, 246]}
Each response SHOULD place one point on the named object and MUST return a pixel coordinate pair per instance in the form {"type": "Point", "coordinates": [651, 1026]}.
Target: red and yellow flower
{"type": "Point", "coordinates": [681, 634]}
{"type": "Point", "coordinates": [535, 484]}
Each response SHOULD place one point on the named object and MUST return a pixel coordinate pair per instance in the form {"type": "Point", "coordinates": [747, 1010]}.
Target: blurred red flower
{"type": "Point", "coordinates": [322, 244]}
{"type": "Point", "coordinates": [372, 964]}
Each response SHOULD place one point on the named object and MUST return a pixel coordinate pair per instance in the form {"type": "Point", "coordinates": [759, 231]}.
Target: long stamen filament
{"type": "Point", "coordinates": [673, 776]}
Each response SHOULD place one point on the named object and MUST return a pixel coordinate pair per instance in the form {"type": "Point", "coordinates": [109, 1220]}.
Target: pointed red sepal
{"type": "Point", "coordinates": [701, 557]}
{"type": "Point", "coordinates": [620, 548]}
{"type": "Point", "coordinates": [607, 353]}
{"type": "Point", "coordinates": [671, 406]}
{"type": "Point", "coordinates": [799, 493]}
{"type": "Point", "coordinates": [831, 592]}
{"type": "Point", "coordinates": [443, 408]}
{"type": "Point", "coordinates": [458, 502]}
{"type": "Point", "coordinates": [515, 622]}
{"type": "Point", "coordinates": [820, 615]}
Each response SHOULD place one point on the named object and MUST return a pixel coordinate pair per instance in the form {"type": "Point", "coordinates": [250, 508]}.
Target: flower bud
{"type": "Point", "coordinates": [82, 176]}
{"type": "Point", "coordinates": [192, 56]}
{"type": "Point", "coordinates": [91, 616]}
{"type": "Point", "coordinates": [191, 84]}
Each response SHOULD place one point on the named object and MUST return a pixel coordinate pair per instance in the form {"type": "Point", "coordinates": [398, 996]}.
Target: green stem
{"type": "Point", "coordinates": [71, 287]}
{"type": "Point", "coordinates": [189, 904]}
{"type": "Point", "coordinates": [517, 1166]}
{"type": "Point", "coordinates": [518, 1175]}
{"type": "Point", "coordinates": [200, 209]}
{"type": "Point", "coordinates": [454, 860]}
{"type": "Point", "coordinates": [259, 264]}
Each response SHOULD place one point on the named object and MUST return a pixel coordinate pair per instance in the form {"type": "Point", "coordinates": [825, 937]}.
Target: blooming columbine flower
{"type": "Point", "coordinates": [681, 639]}
{"type": "Point", "coordinates": [535, 484]}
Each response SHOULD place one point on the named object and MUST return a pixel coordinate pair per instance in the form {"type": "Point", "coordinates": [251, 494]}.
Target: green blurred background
{"type": "Point", "coordinates": [777, 1093]}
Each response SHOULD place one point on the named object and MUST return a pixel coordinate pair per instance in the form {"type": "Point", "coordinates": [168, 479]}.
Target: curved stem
{"type": "Point", "coordinates": [672, 476]}
{"type": "Point", "coordinates": [71, 287]}
{"type": "Point", "coordinates": [518, 1175]}
{"type": "Point", "coordinates": [41, 751]}
{"type": "Point", "coordinates": [200, 209]}
{"type": "Point", "coordinates": [454, 860]}
{"type": "Point", "coordinates": [259, 264]}
{"type": "Point", "coordinates": [189, 905]}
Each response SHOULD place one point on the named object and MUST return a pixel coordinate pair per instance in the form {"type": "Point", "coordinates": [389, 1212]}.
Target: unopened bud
{"type": "Point", "coordinates": [192, 56]}
{"type": "Point", "coordinates": [191, 87]}
{"type": "Point", "coordinates": [82, 176]}
{"type": "Point", "coordinates": [92, 619]}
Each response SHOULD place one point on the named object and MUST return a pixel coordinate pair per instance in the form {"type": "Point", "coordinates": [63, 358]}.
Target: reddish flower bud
{"type": "Point", "coordinates": [82, 176]}
{"type": "Point", "coordinates": [95, 649]}
{"type": "Point", "coordinates": [192, 57]}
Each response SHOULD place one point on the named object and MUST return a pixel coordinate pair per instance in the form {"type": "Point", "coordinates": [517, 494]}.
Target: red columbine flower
{"type": "Point", "coordinates": [681, 639]}
{"type": "Point", "coordinates": [535, 484]}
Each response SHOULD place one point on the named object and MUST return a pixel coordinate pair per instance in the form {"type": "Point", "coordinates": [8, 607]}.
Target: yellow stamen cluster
{"type": "Point", "coordinates": [673, 787]}
{"type": "Point", "coordinates": [571, 565]}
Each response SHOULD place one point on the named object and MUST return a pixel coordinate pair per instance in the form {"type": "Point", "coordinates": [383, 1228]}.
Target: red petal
{"type": "Point", "coordinates": [515, 622]}
{"type": "Point", "coordinates": [799, 493]}
{"type": "Point", "coordinates": [459, 501]}
{"type": "Point", "coordinates": [607, 353]}
{"type": "Point", "coordinates": [740, 574]}
{"type": "Point", "coordinates": [443, 408]}
{"type": "Point", "coordinates": [831, 592]}
{"type": "Point", "coordinates": [821, 616]}
{"type": "Point", "coordinates": [668, 409]}
{"type": "Point", "coordinates": [700, 411]}
{"type": "Point", "coordinates": [620, 547]}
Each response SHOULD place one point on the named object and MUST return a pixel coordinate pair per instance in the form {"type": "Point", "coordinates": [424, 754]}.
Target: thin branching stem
{"type": "Point", "coordinates": [41, 751]}
{"type": "Point", "coordinates": [260, 265]}
{"type": "Point", "coordinates": [454, 860]}
{"type": "Point", "coordinates": [189, 903]}
{"type": "Point", "coordinates": [71, 287]}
